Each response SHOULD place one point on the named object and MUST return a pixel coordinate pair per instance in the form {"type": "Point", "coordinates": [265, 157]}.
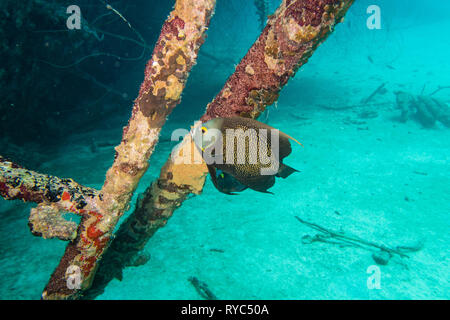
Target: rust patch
{"type": "Point", "coordinates": [259, 99]}
{"type": "Point", "coordinates": [57, 286]}
{"type": "Point", "coordinates": [129, 168]}
{"type": "Point", "coordinates": [163, 200]}
{"type": "Point", "coordinates": [308, 12]}
{"type": "Point", "coordinates": [150, 103]}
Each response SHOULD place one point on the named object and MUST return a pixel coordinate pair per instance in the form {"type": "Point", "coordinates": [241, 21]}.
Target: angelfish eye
{"type": "Point", "coordinates": [204, 129]}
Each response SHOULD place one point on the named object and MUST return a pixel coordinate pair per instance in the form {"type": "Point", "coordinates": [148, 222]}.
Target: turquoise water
{"type": "Point", "coordinates": [363, 173]}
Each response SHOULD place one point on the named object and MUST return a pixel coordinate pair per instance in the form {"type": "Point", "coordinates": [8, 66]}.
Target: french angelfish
{"type": "Point", "coordinates": [241, 173]}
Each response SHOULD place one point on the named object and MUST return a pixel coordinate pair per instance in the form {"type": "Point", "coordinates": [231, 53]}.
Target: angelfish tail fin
{"type": "Point", "coordinates": [285, 171]}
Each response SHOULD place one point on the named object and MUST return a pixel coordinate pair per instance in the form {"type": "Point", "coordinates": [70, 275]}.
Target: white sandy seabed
{"type": "Point", "coordinates": [382, 181]}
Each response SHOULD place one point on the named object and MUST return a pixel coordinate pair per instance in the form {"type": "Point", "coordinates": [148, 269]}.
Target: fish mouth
{"type": "Point", "coordinates": [196, 137]}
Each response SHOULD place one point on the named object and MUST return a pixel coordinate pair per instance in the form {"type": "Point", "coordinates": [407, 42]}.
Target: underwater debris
{"type": "Point", "coordinates": [360, 121]}
{"type": "Point", "coordinates": [405, 102]}
{"type": "Point", "coordinates": [353, 106]}
{"type": "Point", "coordinates": [439, 89]}
{"type": "Point", "coordinates": [423, 113]}
{"type": "Point", "coordinates": [424, 109]}
{"type": "Point", "coordinates": [344, 240]}
{"type": "Point", "coordinates": [368, 114]}
{"type": "Point", "coordinates": [380, 89]}
{"type": "Point", "coordinates": [202, 289]}
{"type": "Point", "coordinates": [381, 257]}
{"type": "Point", "coordinates": [437, 109]}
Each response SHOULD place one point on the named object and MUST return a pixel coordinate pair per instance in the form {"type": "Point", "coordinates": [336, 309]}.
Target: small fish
{"type": "Point", "coordinates": [253, 162]}
{"type": "Point", "coordinates": [370, 59]}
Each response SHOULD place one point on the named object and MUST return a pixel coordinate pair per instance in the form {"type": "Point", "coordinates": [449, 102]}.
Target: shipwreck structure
{"type": "Point", "coordinates": [287, 41]}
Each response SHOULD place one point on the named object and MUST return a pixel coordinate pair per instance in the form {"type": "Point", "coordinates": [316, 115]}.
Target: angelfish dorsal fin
{"type": "Point", "coordinates": [289, 137]}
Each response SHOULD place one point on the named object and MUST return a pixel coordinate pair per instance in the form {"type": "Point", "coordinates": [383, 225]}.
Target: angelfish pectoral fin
{"type": "Point", "coordinates": [212, 173]}
{"type": "Point", "coordinates": [285, 171]}
{"type": "Point", "coordinates": [258, 183]}
{"type": "Point", "coordinates": [223, 187]}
